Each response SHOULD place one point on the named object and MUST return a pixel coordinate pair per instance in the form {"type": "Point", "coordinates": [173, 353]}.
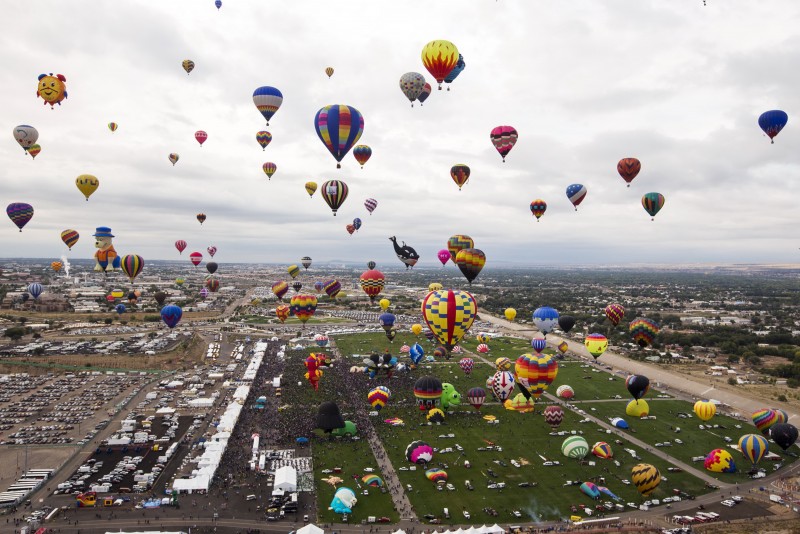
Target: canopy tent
{"type": "Point", "coordinates": [310, 529]}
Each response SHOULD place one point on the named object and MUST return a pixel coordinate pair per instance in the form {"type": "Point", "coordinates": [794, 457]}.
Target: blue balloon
{"type": "Point", "coordinates": [545, 319]}
{"type": "Point", "coordinates": [386, 320]}
{"type": "Point", "coordinates": [120, 309]}
{"type": "Point", "coordinates": [35, 289]}
{"type": "Point", "coordinates": [416, 353]}
{"type": "Point", "coordinates": [171, 315]}
{"type": "Point", "coordinates": [357, 223]}
{"type": "Point", "coordinates": [267, 100]}
{"type": "Point", "coordinates": [456, 70]}
{"type": "Point", "coordinates": [772, 122]}
{"type": "Point", "coordinates": [538, 344]}
{"type": "Point", "coordinates": [218, 3]}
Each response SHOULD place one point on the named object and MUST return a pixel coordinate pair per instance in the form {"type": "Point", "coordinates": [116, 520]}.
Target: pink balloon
{"type": "Point", "coordinates": [444, 255]}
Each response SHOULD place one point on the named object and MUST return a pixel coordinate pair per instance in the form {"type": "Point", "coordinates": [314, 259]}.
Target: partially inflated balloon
{"type": "Point", "coordinates": [601, 449]}
{"type": "Point", "coordinates": [503, 138]}
{"type": "Point", "coordinates": [510, 314]}
{"type": "Point", "coordinates": [719, 461]}
{"type": "Point", "coordinates": [440, 58]}
{"type": "Point", "coordinates": [339, 127]}
{"type": "Point", "coordinates": [652, 203]}
{"type": "Point", "coordinates": [87, 184]}
{"type": "Point", "coordinates": [20, 213]}
{"type": "Point", "coordinates": [334, 192]}
{"type": "Point", "coordinates": [267, 100]}
{"type": "Point", "coordinates": [470, 262]}
{"type": "Point", "coordinates": [460, 174]}
{"type": "Point", "coordinates": [449, 315]}
{"type": "Point", "coordinates": [615, 313]}
{"type": "Point", "coordinates": [596, 344]}
{"type": "Point", "coordinates": [629, 168]}
{"type": "Point", "coordinates": [70, 238]}
{"type": "Point", "coordinates": [772, 122]}
{"type": "Point", "coordinates": [637, 408]}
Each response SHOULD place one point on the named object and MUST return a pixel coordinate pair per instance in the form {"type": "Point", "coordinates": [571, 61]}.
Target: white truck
{"type": "Point", "coordinates": [776, 498]}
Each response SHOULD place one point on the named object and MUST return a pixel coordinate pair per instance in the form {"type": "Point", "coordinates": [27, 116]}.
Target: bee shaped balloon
{"type": "Point", "coordinates": [52, 89]}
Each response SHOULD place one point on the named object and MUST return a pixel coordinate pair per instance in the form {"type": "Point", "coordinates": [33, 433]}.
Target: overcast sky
{"type": "Point", "coordinates": [676, 84]}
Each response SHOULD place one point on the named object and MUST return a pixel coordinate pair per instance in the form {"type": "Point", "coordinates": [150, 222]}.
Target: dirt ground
{"type": "Point", "coordinates": [763, 526]}
{"type": "Point", "coordinates": [12, 460]}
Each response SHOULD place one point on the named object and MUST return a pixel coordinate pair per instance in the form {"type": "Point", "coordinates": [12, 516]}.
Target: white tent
{"type": "Point", "coordinates": [311, 529]}
{"type": "Point", "coordinates": [286, 478]}
{"type": "Point", "coordinates": [495, 529]}
{"type": "Point", "coordinates": [401, 531]}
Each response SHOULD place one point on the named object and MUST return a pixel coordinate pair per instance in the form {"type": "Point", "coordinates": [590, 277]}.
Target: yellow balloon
{"type": "Point", "coordinates": [311, 188]}
{"type": "Point", "coordinates": [329, 71]}
{"type": "Point", "coordinates": [646, 478]}
{"type": "Point", "coordinates": [117, 293]}
{"type": "Point", "coordinates": [449, 314]}
{"type": "Point", "coordinates": [439, 57]}
{"type": "Point", "coordinates": [435, 286]}
{"type": "Point", "coordinates": [705, 410]}
{"type": "Point", "coordinates": [87, 184]}
{"type": "Point", "coordinates": [56, 265]}
{"type": "Point", "coordinates": [385, 303]}
{"type": "Point", "coordinates": [510, 314]}
{"type": "Point", "coordinates": [416, 329]}
{"type": "Point", "coordinates": [637, 408]}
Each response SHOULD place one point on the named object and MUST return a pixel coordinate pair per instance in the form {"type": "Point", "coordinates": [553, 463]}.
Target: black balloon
{"type": "Point", "coordinates": [637, 385]}
{"type": "Point", "coordinates": [371, 265]}
{"type": "Point", "coordinates": [212, 267]}
{"type": "Point", "coordinates": [566, 322]}
{"type": "Point", "coordinates": [784, 434]}
{"type": "Point", "coordinates": [297, 286]}
{"type": "Point", "coordinates": [160, 297]}
{"type": "Point", "coordinates": [328, 417]}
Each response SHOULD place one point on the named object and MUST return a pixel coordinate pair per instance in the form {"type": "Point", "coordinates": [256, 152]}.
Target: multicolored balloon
{"type": "Point", "coordinates": [449, 314]}
{"type": "Point", "coordinates": [181, 245]}
{"type": "Point", "coordinates": [652, 204]}
{"type": "Point", "coordinates": [629, 168]}
{"type": "Point", "coordinates": [646, 478]}
{"type": "Point", "coordinates": [173, 158]}
{"type": "Point", "coordinates": [428, 392]}
{"type": "Point", "coordinates": [188, 65]}
{"type": "Point", "coordinates": [56, 265]}
{"type": "Point", "coordinates": [264, 138]}
{"type": "Point", "coordinates": [70, 238]}
{"type": "Point", "coordinates": [267, 100]}
{"type": "Point", "coordinates": [334, 192]}
{"type": "Point", "coordinates": [753, 447]}
{"type": "Point", "coordinates": [615, 313]}
{"type": "Point", "coordinates": [576, 193]}
{"type": "Point", "coordinates": [503, 138]}
{"type": "Point", "coordinates": [772, 122]}
{"type": "Point", "coordinates": [601, 449]}
{"type": "Point", "coordinates": [279, 289]}
{"type": "Point", "coordinates": [470, 262]}
{"type": "Point", "coordinates": [372, 283]}
{"type": "Point", "coordinates": [339, 127]}
{"type": "Point", "coordinates": [565, 392]}
{"type": "Point", "coordinates": [419, 452]}
{"type": "Point", "coordinates": [362, 153]}
{"type": "Point", "coordinates": [460, 174]}
{"type": "Point", "coordinates": [457, 243]}
{"type": "Point", "coordinates": [305, 261]}
{"type": "Point", "coordinates": [34, 150]}
{"type": "Point", "coordinates": [113, 126]}
{"type": "Point", "coordinates": [303, 307]}
{"type": "Point", "coordinates": [378, 397]}
{"type": "Point", "coordinates": [538, 207]}
{"type": "Point", "coordinates": [502, 384]}
{"type": "Point", "coordinates": [545, 319]}
{"type": "Point", "coordinates": [52, 89]}
{"type": "Point", "coordinates": [332, 288]}
{"type": "Point", "coordinates": [132, 265]}
{"type": "Point", "coordinates": [440, 58]}
{"type": "Point", "coordinates": [720, 461]}
{"type": "Point", "coordinates": [643, 331]}
{"type": "Point", "coordinates": [293, 270]}
{"type": "Point", "coordinates": [20, 213]}
{"type": "Point", "coordinates": [476, 397]}
{"type": "Point", "coordinates": [535, 372]}
{"type": "Point", "coordinates": [466, 365]}
{"type": "Point", "coordinates": [596, 344]}
{"type": "Point", "coordinates": [282, 312]}
{"type": "Point", "coordinates": [412, 84]}
{"type": "Point", "coordinates": [269, 169]}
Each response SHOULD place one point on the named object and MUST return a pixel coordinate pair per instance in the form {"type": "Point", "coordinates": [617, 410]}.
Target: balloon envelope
{"type": "Point", "coordinates": [339, 127]}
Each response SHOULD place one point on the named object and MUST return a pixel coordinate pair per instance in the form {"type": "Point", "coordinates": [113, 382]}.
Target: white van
{"type": "Point", "coordinates": [250, 498]}
{"type": "Point", "coordinates": [446, 513]}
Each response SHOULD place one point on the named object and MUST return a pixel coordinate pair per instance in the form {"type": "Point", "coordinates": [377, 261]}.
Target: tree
{"type": "Point", "coordinates": [732, 358]}
{"type": "Point", "coordinates": [732, 381]}
{"type": "Point", "coordinates": [15, 333]}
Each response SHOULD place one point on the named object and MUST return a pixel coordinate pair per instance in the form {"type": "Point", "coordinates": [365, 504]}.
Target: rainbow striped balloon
{"type": "Point", "coordinates": [303, 307]}
{"type": "Point", "coordinates": [764, 418]}
{"type": "Point", "coordinates": [339, 127]}
{"type": "Point", "coordinates": [536, 372]}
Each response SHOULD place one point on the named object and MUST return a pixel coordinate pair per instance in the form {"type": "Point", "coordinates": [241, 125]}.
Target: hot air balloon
{"type": "Point", "coordinates": [538, 207]}
{"type": "Point", "coordinates": [269, 169]}
{"type": "Point", "coordinates": [212, 267]}
{"type": "Point", "coordinates": [203, 293]}
{"type": "Point", "coordinates": [483, 348]}
{"type": "Point", "coordinates": [553, 416]}
{"type": "Point", "coordinates": [646, 478]}
{"type": "Point", "coordinates": [575, 447]}
{"type": "Point", "coordinates": [362, 153]}
{"type": "Point", "coordinates": [200, 136]}
{"type": "Point", "coordinates": [311, 188]}
{"type": "Point", "coordinates": [440, 58]}
{"type": "Point", "coordinates": [416, 329]}
{"type": "Point", "coordinates": [704, 409]}
{"type": "Point", "coordinates": [629, 168]}
{"type": "Point", "coordinates": [384, 304]}
{"type": "Point", "coordinates": [160, 297]}
{"type": "Point", "coordinates": [305, 261]}
{"type": "Point", "coordinates": [753, 447]}
{"type": "Point", "coordinates": [26, 135]}
{"type": "Point", "coordinates": [329, 72]}
{"type": "Point", "coordinates": [419, 452]}
{"type": "Point", "coordinates": [201, 218]}
{"type": "Point", "coordinates": [601, 449]}
{"type": "Point", "coordinates": [476, 397]}
{"type": "Point", "coordinates": [772, 122]}
{"type": "Point", "coordinates": [267, 100]}
{"type": "Point", "coordinates": [415, 353]}
{"type": "Point", "coordinates": [329, 418]}
{"type": "Point", "coordinates": [643, 331]}
{"type": "Point", "coordinates": [34, 151]}
{"type": "Point", "coordinates": [539, 344]}
{"type": "Point", "coordinates": [615, 313]}
{"type": "Point", "coordinates": [545, 319]}
{"type": "Point", "coordinates": [426, 92]}
{"type": "Point", "coordinates": [188, 65]}
{"type": "Point", "coordinates": [378, 397]}
{"type": "Point", "coordinates": [264, 138]}
{"type": "Point", "coordinates": [113, 126]}
{"type": "Point", "coordinates": [319, 286]}
{"type": "Point", "coordinates": [652, 204]}
{"type": "Point", "coordinates": [132, 265]}
{"type": "Point", "coordinates": [596, 344]}
{"type": "Point", "coordinates": [19, 213]}
{"type": "Point", "coordinates": [637, 408]}
{"type": "Point", "coordinates": [180, 244]}
{"type": "Point", "coordinates": [52, 89]}
{"type": "Point", "coordinates": [519, 403]}
{"type": "Point", "coordinates": [784, 434]}
{"type": "Point", "coordinates": [87, 184]}
{"type": "Point", "coordinates": [411, 84]}
{"type": "Point", "coordinates": [428, 392]}
{"type": "Point", "coordinates": [293, 270]}
{"type": "Point", "coordinates": [457, 243]}
{"type": "Point", "coordinates": [503, 138]}
{"type": "Point", "coordinates": [460, 174]}
{"type": "Point", "coordinates": [35, 289]}
{"type": "Point", "coordinates": [356, 223]}
{"type": "Point", "coordinates": [195, 258]}
{"type": "Point", "coordinates": [120, 309]}
{"type": "Point", "coordinates": [173, 158]}
{"type": "Point", "coordinates": [638, 386]}
{"type": "Point", "coordinates": [780, 415]}
{"type": "Point", "coordinates": [565, 323]}
{"type": "Point", "coordinates": [332, 288]}
{"type": "Point", "coordinates": [576, 193]}
{"type": "Point", "coordinates": [502, 384]}
{"type": "Point", "coordinates": [443, 255]}
{"type": "Point", "coordinates": [470, 261]}
{"type": "Point", "coordinates": [590, 489]}
{"type": "Point", "coordinates": [510, 314]}
{"type": "Point", "coordinates": [211, 251]}
{"type": "Point", "coordinates": [763, 419]}
{"type": "Point", "coordinates": [339, 127]}
{"type": "Point", "coordinates": [563, 347]}
{"type": "Point", "coordinates": [282, 312]}
{"type": "Point", "coordinates": [218, 3]}
{"type": "Point", "coordinates": [303, 307]}
{"type": "Point", "coordinates": [460, 66]}
{"type": "Point", "coordinates": [565, 392]}
{"type": "Point", "coordinates": [279, 289]}
{"type": "Point", "coordinates": [503, 364]}
{"type": "Point", "coordinates": [535, 372]}
{"type": "Point", "coordinates": [171, 315]}
{"type": "Point", "coordinates": [372, 283]}
{"type": "Point", "coordinates": [70, 238]}
{"type": "Point", "coordinates": [720, 461]}
{"type": "Point", "coordinates": [179, 281]}
{"type": "Point", "coordinates": [117, 293]}
{"type": "Point", "coordinates": [370, 204]}
{"type": "Point", "coordinates": [334, 192]}
{"type": "Point", "coordinates": [449, 315]}
{"type": "Point", "coordinates": [56, 266]}
{"type": "Point", "coordinates": [466, 365]}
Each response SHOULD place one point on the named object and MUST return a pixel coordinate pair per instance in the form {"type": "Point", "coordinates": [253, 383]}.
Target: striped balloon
{"type": "Point", "coordinates": [781, 415]}
{"type": "Point", "coordinates": [601, 449]}
{"type": "Point", "coordinates": [753, 447]}
{"type": "Point", "coordinates": [643, 331]}
{"type": "Point", "coordinates": [502, 384]}
{"type": "Point", "coordinates": [646, 478]}
{"type": "Point", "coordinates": [470, 262]}
{"type": "Point", "coordinates": [539, 344]}
{"type": "Point", "coordinates": [536, 372]}
{"type": "Point", "coordinates": [575, 447]}
{"type": "Point", "coordinates": [269, 169]}
{"type": "Point", "coordinates": [565, 392]}
{"type": "Point", "coordinates": [652, 203]}
{"type": "Point", "coordinates": [553, 416]}
{"type": "Point", "coordinates": [704, 409]}
{"type": "Point", "coordinates": [339, 127]}
{"type": "Point", "coordinates": [372, 283]}
{"type": "Point", "coordinates": [370, 204]}
{"type": "Point", "coordinates": [267, 100]}
{"type": "Point", "coordinates": [362, 153]}
{"type": "Point", "coordinates": [503, 138]}
{"type": "Point", "coordinates": [615, 313]}
{"type": "Point", "coordinates": [763, 419]}
{"type": "Point", "coordinates": [280, 289]}
{"type": "Point", "coordinates": [449, 314]}
{"type": "Point", "coordinates": [303, 307]}
{"type": "Point", "coordinates": [70, 238]}
{"type": "Point", "coordinates": [35, 289]}
{"type": "Point", "coordinates": [263, 138]}
{"type": "Point", "coordinates": [457, 243]}
{"type": "Point", "coordinates": [19, 213]}
{"type": "Point", "coordinates": [334, 192]}
{"type": "Point", "coordinates": [576, 193]}
{"type": "Point", "coordinates": [460, 174]}
{"type": "Point", "coordinates": [629, 168]}
{"type": "Point", "coordinates": [132, 265]}
{"type": "Point", "coordinates": [332, 288]}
